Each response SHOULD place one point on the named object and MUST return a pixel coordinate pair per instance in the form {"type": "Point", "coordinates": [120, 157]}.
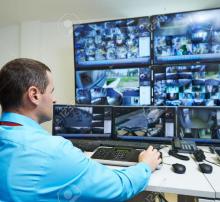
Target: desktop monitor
{"type": "Point", "coordinates": [187, 85]}
{"type": "Point", "coordinates": [187, 37]}
{"type": "Point", "coordinates": [200, 124]}
{"type": "Point", "coordinates": [128, 86]}
{"type": "Point", "coordinates": [112, 43]}
{"type": "Point", "coordinates": [144, 123]}
{"type": "Point", "coordinates": [73, 121]}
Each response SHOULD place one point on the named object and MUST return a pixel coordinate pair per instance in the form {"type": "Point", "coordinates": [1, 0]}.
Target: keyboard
{"type": "Point", "coordinates": [91, 145]}
{"type": "Point", "coordinates": [120, 156]}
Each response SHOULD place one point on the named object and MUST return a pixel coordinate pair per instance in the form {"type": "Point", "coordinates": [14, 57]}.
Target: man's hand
{"type": "Point", "coordinates": [151, 157]}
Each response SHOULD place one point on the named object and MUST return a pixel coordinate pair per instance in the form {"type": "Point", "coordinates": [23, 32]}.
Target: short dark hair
{"type": "Point", "coordinates": [17, 76]}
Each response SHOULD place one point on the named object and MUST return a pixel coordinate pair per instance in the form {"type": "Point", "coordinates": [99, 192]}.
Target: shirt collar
{"type": "Point", "coordinates": [20, 119]}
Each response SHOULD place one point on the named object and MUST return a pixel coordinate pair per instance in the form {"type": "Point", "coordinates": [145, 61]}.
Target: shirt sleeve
{"type": "Point", "coordinates": [71, 172]}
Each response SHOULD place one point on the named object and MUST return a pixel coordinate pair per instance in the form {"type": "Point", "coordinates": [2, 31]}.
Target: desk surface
{"type": "Point", "coordinates": [214, 177]}
{"type": "Point", "coordinates": [192, 182]}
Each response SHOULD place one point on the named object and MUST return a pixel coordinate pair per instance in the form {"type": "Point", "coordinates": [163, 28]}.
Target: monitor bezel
{"type": "Point", "coordinates": [196, 140]}
{"type": "Point", "coordinates": [113, 65]}
{"type": "Point", "coordinates": [71, 136]}
{"type": "Point", "coordinates": [159, 140]}
{"type": "Point", "coordinates": [153, 67]}
{"type": "Point", "coordinates": [108, 68]}
{"type": "Point", "coordinates": [179, 61]}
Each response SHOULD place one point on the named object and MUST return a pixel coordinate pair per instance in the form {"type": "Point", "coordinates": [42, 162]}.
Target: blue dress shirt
{"type": "Point", "coordinates": [35, 166]}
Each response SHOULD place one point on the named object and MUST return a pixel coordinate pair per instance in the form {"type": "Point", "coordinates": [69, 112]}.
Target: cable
{"type": "Point", "coordinates": [207, 152]}
{"type": "Point", "coordinates": [212, 163]}
{"type": "Point", "coordinates": [167, 164]}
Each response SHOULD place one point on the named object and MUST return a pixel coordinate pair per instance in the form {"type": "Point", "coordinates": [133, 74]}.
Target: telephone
{"type": "Point", "coordinates": [183, 146]}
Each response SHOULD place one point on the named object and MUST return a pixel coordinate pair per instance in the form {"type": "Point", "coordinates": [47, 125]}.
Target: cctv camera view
{"type": "Point", "coordinates": [120, 42]}
{"type": "Point", "coordinates": [189, 36]}
{"type": "Point", "coordinates": [199, 123]}
{"type": "Point", "coordinates": [193, 85]}
{"type": "Point", "coordinates": [157, 123]}
{"type": "Point", "coordinates": [74, 121]}
{"type": "Point", "coordinates": [114, 87]}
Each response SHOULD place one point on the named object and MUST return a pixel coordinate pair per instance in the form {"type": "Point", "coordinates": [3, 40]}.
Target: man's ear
{"type": "Point", "coordinates": [34, 95]}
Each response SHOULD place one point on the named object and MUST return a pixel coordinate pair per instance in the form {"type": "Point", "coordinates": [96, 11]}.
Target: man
{"type": "Point", "coordinates": [36, 166]}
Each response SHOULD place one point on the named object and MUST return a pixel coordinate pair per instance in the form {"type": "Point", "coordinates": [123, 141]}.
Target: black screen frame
{"type": "Point", "coordinates": [113, 65]}
{"type": "Point", "coordinates": [157, 140]}
{"type": "Point", "coordinates": [71, 136]}
{"type": "Point", "coordinates": [108, 68]}
{"type": "Point", "coordinates": [175, 65]}
{"type": "Point", "coordinates": [197, 140]}
{"type": "Point", "coordinates": [178, 61]}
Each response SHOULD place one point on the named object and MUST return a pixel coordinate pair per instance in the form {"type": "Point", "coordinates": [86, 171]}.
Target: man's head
{"type": "Point", "coordinates": [26, 87]}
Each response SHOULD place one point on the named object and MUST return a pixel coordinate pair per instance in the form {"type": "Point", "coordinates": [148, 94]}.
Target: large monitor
{"type": "Point", "coordinates": [112, 43]}
{"type": "Point", "coordinates": [199, 124]}
{"type": "Point", "coordinates": [187, 37]}
{"type": "Point", "coordinates": [144, 123]}
{"type": "Point", "coordinates": [82, 121]}
{"type": "Point", "coordinates": [187, 85]}
{"type": "Point", "coordinates": [128, 86]}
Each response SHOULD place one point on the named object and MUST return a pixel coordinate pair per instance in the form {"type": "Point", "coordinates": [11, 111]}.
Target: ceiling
{"type": "Point", "coordinates": [17, 11]}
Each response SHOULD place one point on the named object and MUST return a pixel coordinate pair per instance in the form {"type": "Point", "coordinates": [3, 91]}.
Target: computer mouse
{"type": "Point", "coordinates": [179, 168]}
{"type": "Point", "coordinates": [205, 168]}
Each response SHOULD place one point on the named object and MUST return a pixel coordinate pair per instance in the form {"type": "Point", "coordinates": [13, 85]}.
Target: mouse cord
{"type": "Point", "coordinates": [212, 163]}
{"type": "Point", "coordinates": [167, 164]}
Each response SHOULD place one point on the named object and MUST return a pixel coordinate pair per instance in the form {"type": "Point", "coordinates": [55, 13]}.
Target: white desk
{"type": "Point", "coordinates": [192, 183]}
{"type": "Point", "coordinates": [214, 177]}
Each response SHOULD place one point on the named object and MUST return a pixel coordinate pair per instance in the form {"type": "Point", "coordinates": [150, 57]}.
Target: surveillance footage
{"type": "Point", "coordinates": [116, 42]}
{"type": "Point", "coordinates": [82, 121]}
{"type": "Point", "coordinates": [144, 123]}
{"type": "Point", "coordinates": [192, 85]}
{"type": "Point", "coordinates": [189, 36]}
{"type": "Point", "coordinates": [199, 123]}
{"type": "Point", "coordinates": [130, 86]}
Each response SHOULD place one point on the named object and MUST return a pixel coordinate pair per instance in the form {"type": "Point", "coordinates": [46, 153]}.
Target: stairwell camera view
{"type": "Point", "coordinates": [114, 87]}
{"type": "Point", "coordinates": [74, 121]}
{"type": "Point", "coordinates": [199, 123]}
{"type": "Point", "coordinates": [144, 123]}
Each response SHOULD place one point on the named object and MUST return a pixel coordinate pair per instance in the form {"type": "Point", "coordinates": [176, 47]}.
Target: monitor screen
{"type": "Point", "coordinates": [191, 85]}
{"type": "Point", "coordinates": [187, 37]}
{"type": "Point", "coordinates": [130, 86]}
{"type": "Point", "coordinates": [199, 124]}
{"type": "Point", "coordinates": [144, 123]}
{"type": "Point", "coordinates": [112, 43]}
{"type": "Point", "coordinates": [82, 121]}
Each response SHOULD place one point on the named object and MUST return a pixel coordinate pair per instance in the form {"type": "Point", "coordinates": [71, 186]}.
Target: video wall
{"type": "Point", "coordinates": [162, 60]}
{"type": "Point", "coordinates": [153, 77]}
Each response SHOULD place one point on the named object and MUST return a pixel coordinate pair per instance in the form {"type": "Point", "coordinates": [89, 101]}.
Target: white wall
{"type": "Point", "coordinates": [47, 42]}
{"type": "Point", "coordinates": [9, 43]}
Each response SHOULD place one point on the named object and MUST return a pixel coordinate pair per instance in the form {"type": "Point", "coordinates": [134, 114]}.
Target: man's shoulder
{"type": "Point", "coordinates": [37, 139]}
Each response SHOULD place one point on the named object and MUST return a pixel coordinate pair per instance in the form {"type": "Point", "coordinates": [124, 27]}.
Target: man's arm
{"type": "Point", "coordinates": [70, 171]}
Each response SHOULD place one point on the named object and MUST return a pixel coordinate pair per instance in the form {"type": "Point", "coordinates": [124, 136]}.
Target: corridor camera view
{"type": "Point", "coordinates": [144, 122]}
{"type": "Point", "coordinates": [116, 42]}
{"type": "Point", "coordinates": [189, 36]}
{"type": "Point", "coordinates": [199, 123]}
{"type": "Point", "coordinates": [74, 121]}
{"type": "Point", "coordinates": [114, 87]}
{"type": "Point", "coordinates": [192, 85]}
